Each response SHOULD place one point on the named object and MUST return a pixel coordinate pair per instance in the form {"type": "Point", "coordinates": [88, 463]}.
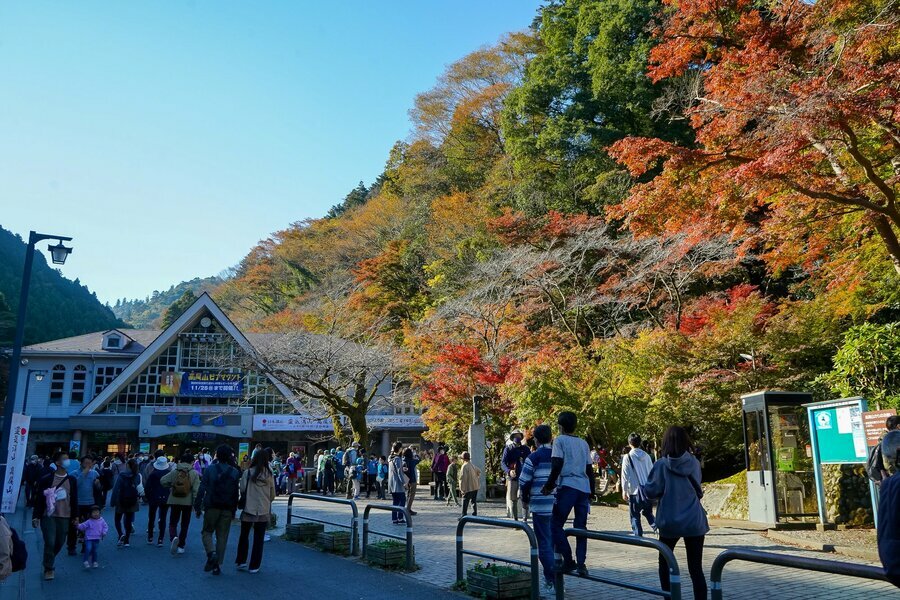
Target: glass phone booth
{"type": "Point", "coordinates": [781, 484]}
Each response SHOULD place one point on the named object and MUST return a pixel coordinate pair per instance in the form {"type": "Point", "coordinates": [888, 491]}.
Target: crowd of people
{"type": "Point", "coordinates": [68, 498]}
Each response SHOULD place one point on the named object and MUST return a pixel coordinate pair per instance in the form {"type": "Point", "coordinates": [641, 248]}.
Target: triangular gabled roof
{"type": "Point", "coordinates": [120, 332]}
{"type": "Point", "coordinates": [164, 340]}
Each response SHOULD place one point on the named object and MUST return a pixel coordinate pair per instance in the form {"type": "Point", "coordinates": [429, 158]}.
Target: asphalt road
{"type": "Point", "coordinates": [144, 572]}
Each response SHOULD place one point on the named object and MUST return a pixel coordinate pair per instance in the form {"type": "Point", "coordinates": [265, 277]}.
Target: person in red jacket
{"type": "Point", "coordinates": [439, 467]}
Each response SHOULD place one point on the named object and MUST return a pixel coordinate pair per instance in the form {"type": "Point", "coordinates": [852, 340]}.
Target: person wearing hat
{"type": "Point", "coordinates": [512, 460]}
{"type": "Point", "coordinates": [157, 496]}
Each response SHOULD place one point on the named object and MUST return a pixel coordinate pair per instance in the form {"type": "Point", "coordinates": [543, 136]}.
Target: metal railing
{"type": "Point", "coordinates": [791, 562]}
{"type": "Point", "coordinates": [408, 538]}
{"type": "Point", "coordinates": [532, 540]}
{"type": "Point", "coordinates": [664, 551]}
{"type": "Point", "coordinates": [354, 520]}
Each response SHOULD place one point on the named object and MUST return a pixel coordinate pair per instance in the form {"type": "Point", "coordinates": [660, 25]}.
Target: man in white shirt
{"type": "Point", "coordinates": [636, 467]}
{"type": "Point", "coordinates": [572, 466]}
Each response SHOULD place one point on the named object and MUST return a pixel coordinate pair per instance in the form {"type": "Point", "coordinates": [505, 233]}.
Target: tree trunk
{"type": "Point", "coordinates": [339, 434]}
{"type": "Point", "coordinates": [357, 418]}
{"type": "Point", "coordinates": [889, 237]}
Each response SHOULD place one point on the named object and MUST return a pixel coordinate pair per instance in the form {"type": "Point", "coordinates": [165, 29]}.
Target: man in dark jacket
{"type": "Point", "coordinates": [55, 526]}
{"type": "Point", "coordinates": [512, 460]}
{"type": "Point", "coordinates": [30, 475]}
{"type": "Point", "coordinates": [218, 500]}
{"type": "Point", "coordinates": [889, 509]}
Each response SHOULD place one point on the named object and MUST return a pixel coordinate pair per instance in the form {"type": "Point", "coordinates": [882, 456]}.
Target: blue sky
{"type": "Point", "coordinates": [169, 137]}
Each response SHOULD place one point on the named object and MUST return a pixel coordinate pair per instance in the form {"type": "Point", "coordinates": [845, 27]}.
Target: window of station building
{"type": "Point", "coordinates": [57, 384]}
{"type": "Point", "coordinates": [79, 383]}
{"type": "Point", "coordinates": [103, 376]}
{"type": "Point", "coordinates": [143, 390]}
{"type": "Point", "coordinates": [113, 341]}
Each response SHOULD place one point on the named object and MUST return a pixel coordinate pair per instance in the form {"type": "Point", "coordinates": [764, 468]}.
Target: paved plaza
{"type": "Point", "coordinates": [146, 572]}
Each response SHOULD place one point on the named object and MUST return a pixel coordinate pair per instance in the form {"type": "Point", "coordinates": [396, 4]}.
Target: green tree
{"type": "Point", "coordinates": [868, 364]}
{"type": "Point", "coordinates": [586, 88]}
{"type": "Point", "coordinates": [178, 307]}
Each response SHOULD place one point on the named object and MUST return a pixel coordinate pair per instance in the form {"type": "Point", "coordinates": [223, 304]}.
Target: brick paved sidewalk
{"type": "Point", "coordinates": [435, 534]}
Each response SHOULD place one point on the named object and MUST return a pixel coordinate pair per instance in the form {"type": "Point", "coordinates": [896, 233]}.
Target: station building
{"type": "Point", "coordinates": [126, 390]}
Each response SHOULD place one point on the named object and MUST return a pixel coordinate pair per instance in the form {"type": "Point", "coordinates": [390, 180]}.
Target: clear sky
{"type": "Point", "coordinates": [169, 137]}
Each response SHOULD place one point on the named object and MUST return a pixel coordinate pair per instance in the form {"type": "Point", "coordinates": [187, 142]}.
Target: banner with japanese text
{"type": "Point", "coordinates": [15, 462]}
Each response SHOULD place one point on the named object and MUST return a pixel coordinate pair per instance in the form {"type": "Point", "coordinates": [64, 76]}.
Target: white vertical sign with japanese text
{"type": "Point", "coordinates": [15, 461]}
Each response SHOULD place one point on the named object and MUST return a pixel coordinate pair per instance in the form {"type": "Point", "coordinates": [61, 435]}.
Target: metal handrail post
{"type": "Point", "coordinates": [410, 560]}
{"type": "Point", "coordinates": [354, 520]}
{"type": "Point", "coordinates": [788, 561]}
{"type": "Point", "coordinates": [664, 551]}
{"type": "Point", "coordinates": [532, 540]}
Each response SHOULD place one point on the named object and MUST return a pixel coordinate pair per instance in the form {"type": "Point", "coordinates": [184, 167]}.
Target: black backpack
{"type": "Point", "coordinates": [19, 552]}
{"type": "Point", "coordinates": [224, 492]}
{"type": "Point", "coordinates": [875, 464]}
{"type": "Point", "coordinates": [128, 493]}
{"type": "Point", "coordinates": [106, 479]}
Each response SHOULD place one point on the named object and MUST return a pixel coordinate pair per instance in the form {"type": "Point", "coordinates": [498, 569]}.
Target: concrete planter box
{"type": "Point", "coordinates": [511, 583]}
{"type": "Point", "coordinates": [392, 556]}
{"type": "Point", "coordinates": [303, 532]}
{"type": "Point", "coordinates": [334, 541]}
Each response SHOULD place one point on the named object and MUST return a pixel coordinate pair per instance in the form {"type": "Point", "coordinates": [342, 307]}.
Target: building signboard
{"type": "Point", "coordinates": [873, 422]}
{"type": "Point", "coordinates": [201, 384]}
{"type": "Point", "coordinates": [15, 462]}
{"type": "Point", "coordinates": [291, 423]}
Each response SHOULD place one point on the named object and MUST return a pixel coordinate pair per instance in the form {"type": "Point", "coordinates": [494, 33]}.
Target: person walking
{"type": "Point", "coordinates": [381, 478]}
{"type": "Point", "coordinates": [439, 467]}
{"type": "Point", "coordinates": [398, 479]}
{"type": "Point", "coordinates": [514, 455]}
{"type": "Point", "coordinates": [572, 468]}
{"type": "Point", "coordinates": [125, 498]}
{"type": "Point", "coordinates": [184, 484]}
{"type": "Point", "coordinates": [217, 500]}
{"type": "Point", "coordinates": [636, 465]}
{"type": "Point", "coordinates": [319, 464]}
{"type": "Point", "coordinates": [56, 496]}
{"type": "Point", "coordinates": [257, 494]}
{"type": "Point", "coordinates": [412, 472]}
{"type": "Point", "coordinates": [30, 475]}
{"type": "Point", "coordinates": [469, 484]}
{"type": "Point", "coordinates": [452, 480]}
{"type": "Point", "coordinates": [357, 472]}
{"type": "Point", "coordinates": [157, 497]}
{"type": "Point", "coordinates": [675, 481]}
{"type": "Point", "coordinates": [535, 471]}
{"type": "Point", "coordinates": [87, 478]}
{"type": "Point", "coordinates": [94, 529]}
{"type": "Point", "coordinates": [370, 475]}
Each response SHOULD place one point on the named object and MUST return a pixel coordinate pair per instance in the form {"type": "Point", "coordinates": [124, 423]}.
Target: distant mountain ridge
{"type": "Point", "coordinates": [57, 307]}
{"type": "Point", "coordinates": [149, 311]}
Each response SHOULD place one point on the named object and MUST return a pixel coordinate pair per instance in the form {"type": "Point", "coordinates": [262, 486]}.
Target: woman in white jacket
{"type": "Point", "coordinates": [257, 495]}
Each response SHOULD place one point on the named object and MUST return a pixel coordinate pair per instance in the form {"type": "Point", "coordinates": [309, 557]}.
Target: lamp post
{"type": "Point", "coordinates": [58, 254]}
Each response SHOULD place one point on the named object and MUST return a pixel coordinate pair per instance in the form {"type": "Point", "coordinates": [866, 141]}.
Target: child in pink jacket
{"type": "Point", "coordinates": [95, 529]}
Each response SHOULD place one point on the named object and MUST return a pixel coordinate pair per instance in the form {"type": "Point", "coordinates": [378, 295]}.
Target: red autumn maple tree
{"type": "Point", "coordinates": [794, 107]}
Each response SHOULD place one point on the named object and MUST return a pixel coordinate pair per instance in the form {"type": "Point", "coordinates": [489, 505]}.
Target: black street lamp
{"type": "Point", "coordinates": [58, 255]}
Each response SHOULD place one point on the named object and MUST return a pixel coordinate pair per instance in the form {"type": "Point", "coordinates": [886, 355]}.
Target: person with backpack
{"type": "Point", "coordinates": [125, 498]}
{"type": "Point", "coordinates": [184, 483]}
{"type": "Point", "coordinates": [875, 465]}
{"type": "Point", "coordinates": [675, 481]}
{"type": "Point", "coordinates": [381, 478]}
{"type": "Point", "coordinates": [370, 475]}
{"type": "Point", "coordinates": [294, 470]}
{"type": "Point", "coordinates": [636, 465]}
{"type": "Point", "coordinates": [56, 499]}
{"type": "Point", "coordinates": [257, 494]}
{"type": "Point", "coordinates": [217, 500]}
{"type": "Point", "coordinates": [157, 498]}
{"type": "Point", "coordinates": [411, 458]}
{"type": "Point", "coordinates": [330, 467]}
{"type": "Point", "coordinates": [106, 479]}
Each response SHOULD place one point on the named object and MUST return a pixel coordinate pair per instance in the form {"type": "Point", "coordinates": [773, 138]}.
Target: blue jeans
{"type": "Point", "coordinates": [90, 550]}
{"type": "Point", "coordinates": [566, 499]}
{"type": "Point", "coordinates": [636, 509]}
{"type": "Point", "coordinates": [543, 530]}
{"type": "Point", "coordinates": [399, 499]}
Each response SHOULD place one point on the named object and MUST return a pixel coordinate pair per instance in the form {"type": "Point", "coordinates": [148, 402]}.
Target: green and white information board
{"type": "Point", "coordinates": [838, 437]}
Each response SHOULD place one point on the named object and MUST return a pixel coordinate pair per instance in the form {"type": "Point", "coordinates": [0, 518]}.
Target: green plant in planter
{"type": "Point", "coordinates": [498, 581]}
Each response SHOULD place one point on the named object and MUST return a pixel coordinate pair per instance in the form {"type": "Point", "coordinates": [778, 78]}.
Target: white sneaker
{"type": "Point", "coordinates": [267, 538]}
{"type": "Point", "coordinates": [548, 590]}
{"type": "Point", "coordinates": [253, 571]}
{"type": "Point", "coordinates": [87, 565]}
{"type": "Point", "coordinates": [173, 548]}
{"type": "Point", "coordinates": [180, 551]}
{"type": "Point", "coordinates": [242, 567]}
{"type": "Point", "coordinates": [95, 565]}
